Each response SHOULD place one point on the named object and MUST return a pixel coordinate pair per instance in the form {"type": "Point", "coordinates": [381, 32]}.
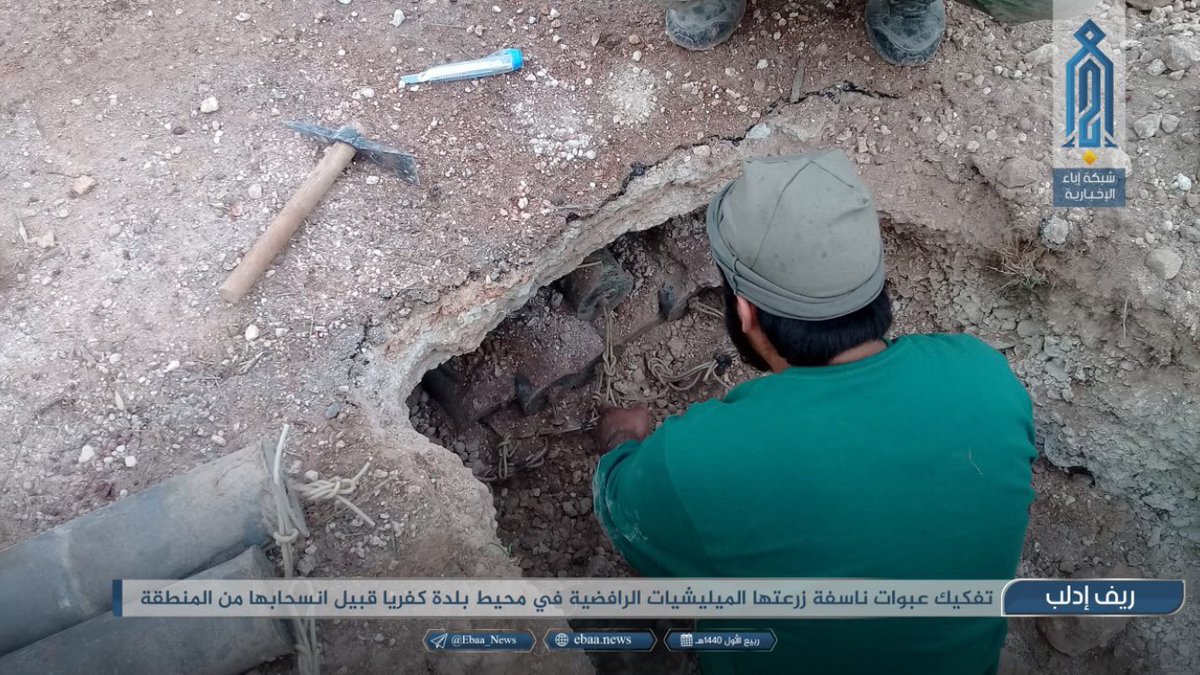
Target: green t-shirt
{"type": "Point", "coordinates": [913, 463]}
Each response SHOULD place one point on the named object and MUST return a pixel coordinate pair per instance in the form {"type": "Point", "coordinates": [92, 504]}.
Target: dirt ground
{"type": "Point", "coordinates": [120, 367]}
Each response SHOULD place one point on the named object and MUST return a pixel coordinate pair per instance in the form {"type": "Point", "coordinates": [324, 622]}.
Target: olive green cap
{"type": "Point", "coordinates": [798, 236]}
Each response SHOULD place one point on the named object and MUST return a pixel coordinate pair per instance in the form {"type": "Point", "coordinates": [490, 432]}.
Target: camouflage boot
{"type": "Point", "coordinates": [906, 32]}
{"type": "Point", "coordinates": [702, 24]}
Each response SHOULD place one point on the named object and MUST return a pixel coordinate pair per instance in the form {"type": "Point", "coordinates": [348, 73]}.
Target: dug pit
{"type": "Point", "coordinates": [640, 323]}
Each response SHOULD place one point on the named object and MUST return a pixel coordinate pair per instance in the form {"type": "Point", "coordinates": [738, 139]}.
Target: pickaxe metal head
{"type": "Point", "coordinates": [404, 164]}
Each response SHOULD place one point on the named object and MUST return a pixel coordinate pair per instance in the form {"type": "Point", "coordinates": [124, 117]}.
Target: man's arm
{"type": "Point", "coordinates": [636, 501]}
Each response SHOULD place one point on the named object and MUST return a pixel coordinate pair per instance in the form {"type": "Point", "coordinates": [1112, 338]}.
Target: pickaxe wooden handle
{"type": "Point", "coordinates": [305, 199]}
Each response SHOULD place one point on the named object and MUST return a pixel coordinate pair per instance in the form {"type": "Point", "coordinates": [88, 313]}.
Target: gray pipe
{"type": "Point", "coordinates": [107, 645]}
{"type": "Point", "coordinates": [169, 531]}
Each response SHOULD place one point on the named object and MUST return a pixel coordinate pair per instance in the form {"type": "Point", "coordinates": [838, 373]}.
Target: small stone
{"type": "Point", "coordinates": [130, 461]}
{"type": "Point", "coordinates": [242, 17]}
{"type": "Point", "coordinates": [676, 346]}
{"type": "Point", "coordinates": [759, 131]}
{"type": "Point", "coordinates": [762, 64]}
{"type": "Point", "coordinates": [702, 151]}
{"type": "Point", "coordinates": [1182, 183]}
{"type": "Point", "coordinates": [1018, 172]}
{"type": "Point", "coordinates": [1146, 127]}
{"type": "Point", "coordinates": [554, 13]}
{"type": "Point", "coordinates": [367, 92]}
{"type": "Point", "coordinates": [173, 365]}
{"type": "Point", "coordinates": [86, 454]}
{"type": "Point", "coordinates": [637, 56]}
{"type": "Point", "coordinates": [397, 17]}
{"type": "Point", "coordinates": [1169, 124]}
{"type": "Point", "coordinates": [83, 185]}
{"type": "Point", "coordinates": [1054, 231]}
{"type": "Point", "coordinates": [251, 333]}
{"type": "Point", "coordinates": [217, 440]}
{"type": "Point", "coordinates": [311, 475]}
{"type": "Point", "coordinates": [1165, 263]}
{"type": "Point", "coordinates": [635, 39]}
{"type": "Point", "coordinates": [210, 105]}
{"type": "Point", "coordinates": [1029, 328]}
{"type": "Point", "coordinates": [333, 410]}
{"type": "Point", "coordinates": [372, 180]}
{"type": "Point", "coordinates": [254, 191]}
{"type": "Point", "coordinates": [569, 509]}
{"type": "Point", "coordinates": [45, 240]}
{"type": "Point", "coordinates": [1156, 67]}
{"type": "Point", "coordinates": [972, 146]}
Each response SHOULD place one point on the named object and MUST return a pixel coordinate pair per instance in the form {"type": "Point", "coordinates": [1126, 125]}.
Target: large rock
{"type": "Point", "coordinates": [1177, 53]}
{"type": "Point", "coordinates": [1164, 262]}
{"type": "Point", "coordinates": [1054, 231]}
{"type": "Point", "coordinates": [1043, 54]}
{"type": "Point", "coordinates": [1074, 635]}
{"type": "Point", "coordinates": [1147, 5]}
{"type": "Point", "coordinates": [1018, 172]}
{"type": "Point", "coordinates": [1146, 127]}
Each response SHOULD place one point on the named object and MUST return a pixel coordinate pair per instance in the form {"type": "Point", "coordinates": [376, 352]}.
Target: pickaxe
{"type": "Point", "coordinates": [348, 142]}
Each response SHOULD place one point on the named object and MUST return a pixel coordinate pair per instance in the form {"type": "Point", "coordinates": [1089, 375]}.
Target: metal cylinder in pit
{"type": "Point", "coordinates": [599, 282]}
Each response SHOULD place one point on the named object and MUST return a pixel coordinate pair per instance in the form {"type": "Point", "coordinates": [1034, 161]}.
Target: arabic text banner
{"type": "Point", "coordinates": [640, 598]}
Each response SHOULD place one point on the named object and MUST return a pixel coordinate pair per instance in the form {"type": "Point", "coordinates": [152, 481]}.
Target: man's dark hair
{"type": "Point", "coordinates": [809, 343]}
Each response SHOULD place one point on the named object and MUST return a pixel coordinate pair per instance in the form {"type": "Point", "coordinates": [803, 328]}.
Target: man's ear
{"type": "Point", "coordinates": [747, 314]}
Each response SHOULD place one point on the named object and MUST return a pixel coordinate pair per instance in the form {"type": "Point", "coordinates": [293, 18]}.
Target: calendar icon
{"type": "Point", "coordinates": [685, 640]}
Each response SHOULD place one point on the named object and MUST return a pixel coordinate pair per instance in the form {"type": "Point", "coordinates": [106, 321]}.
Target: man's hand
{"type": "Point", "coordinates": [618, 425]}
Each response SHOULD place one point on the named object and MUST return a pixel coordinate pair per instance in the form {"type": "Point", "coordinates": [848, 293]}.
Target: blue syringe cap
{"type": "Point", "coordinates": [518, 59]}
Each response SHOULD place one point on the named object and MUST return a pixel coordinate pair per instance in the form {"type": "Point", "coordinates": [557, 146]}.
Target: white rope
{"type": "Point", "coordinates": [608, 394]}
{"type": "Point", "coordinates": [304, 630]}
{"type": "Point", "coordinates": [336, 488]}
{"type": "Point", "coordinates": [704, 371]}
{"type": "Point", "coordinates": [705, 308]}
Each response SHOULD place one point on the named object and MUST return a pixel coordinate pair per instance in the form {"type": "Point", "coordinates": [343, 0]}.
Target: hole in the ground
{"type": "Point", "coordinates": [639, 322]}
{"type": "Point", "coordinates": [519, 409]}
